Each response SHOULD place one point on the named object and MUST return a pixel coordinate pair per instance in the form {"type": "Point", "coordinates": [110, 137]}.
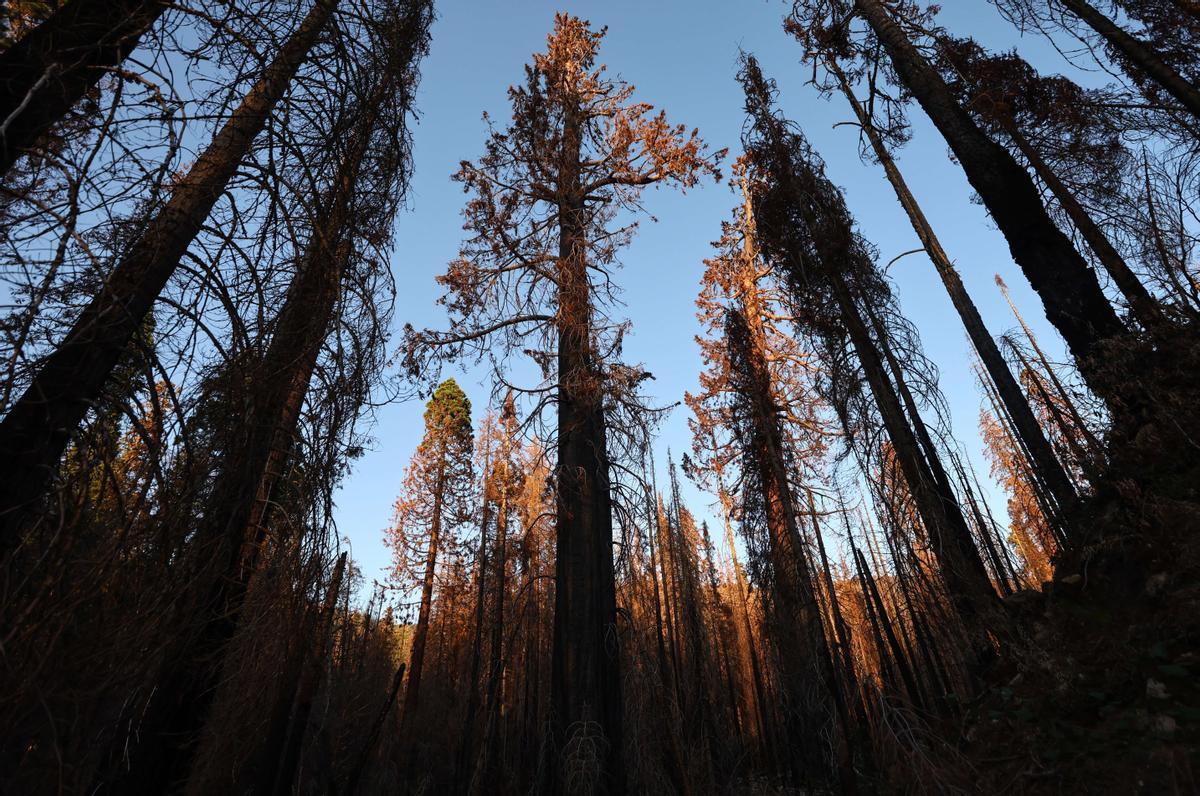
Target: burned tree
{"type": "Point", "coordinates": [534, 275]}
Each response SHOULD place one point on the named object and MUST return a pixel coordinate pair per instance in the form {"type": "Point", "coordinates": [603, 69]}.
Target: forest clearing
{"type": "Point", "coordinates": [821, 415]}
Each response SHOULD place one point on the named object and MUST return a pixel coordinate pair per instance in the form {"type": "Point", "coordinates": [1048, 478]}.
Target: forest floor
{"type": "Point", "coordinates": [1107, 697]}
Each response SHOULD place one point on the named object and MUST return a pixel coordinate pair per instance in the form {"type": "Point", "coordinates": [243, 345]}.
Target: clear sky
{"type": "Point", "coordinates": [681, 55]}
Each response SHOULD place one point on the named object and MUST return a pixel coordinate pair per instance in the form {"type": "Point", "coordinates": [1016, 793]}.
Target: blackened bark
{"type": "Point", "coordinates": [50, 69]}
{"type": "Point", "coordinates": [1145, 308]}
{"type": "Point", "coordinates": [1068, 287]}
{"type": "Point", "coordinates": [1141, 55]}
{"type": "Point", "coordinates": [585, 678]}
{"type": "Point", "coordinates": [1039, 451]}
{"type": "Point", "coordinates": [37, 428]}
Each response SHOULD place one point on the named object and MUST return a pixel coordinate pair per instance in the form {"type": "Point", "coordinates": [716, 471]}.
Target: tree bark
{"type": "Point", "coordinates": [1140, 54]}
{"type": "Point", "coordinates": [50, 69]}
{"type": "Point", "coordinates": [1039, 451]}
{"type": "Point", "coordinates": [585, 680]}
{"type": "Point", "coordinates": [37, 428]}
{"type": "Point", "coordinates": [1145, 308]}
{"type": "Point", "coordinates": [416, 659]}
{"type": "Point", "coordinates": [1068, 287]}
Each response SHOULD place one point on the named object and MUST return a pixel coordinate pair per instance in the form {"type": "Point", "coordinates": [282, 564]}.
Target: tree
{"type": "Point", "coordinates": [1010, 99]}
{"type": "Point", "coordinates": [757, 390]}
{"type": "Point", "coordinates": [534, 276]}
{"type": "Point", "coordinates": [236, 513]}
{"type": "Point", "coordinates": [435, 500]}
{"type": "Point", "coordinates": [806, 233]}
{"type": "Point", "coordinates": [40, 423]}
{"type": "Point", "coordinates": [1069, 290]}
{"type": "Point", "coordinates": [50, 69]}
{"type": "Point", "coordinates": [1046, 466]}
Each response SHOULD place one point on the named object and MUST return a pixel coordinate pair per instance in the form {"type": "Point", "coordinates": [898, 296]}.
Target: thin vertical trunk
{"type": "Point", "coordinates": [416, 659]}
{"type": "Point", "coordinates": [485, 773]}
{"type": "Point", "coordinates": [747, 627]}
{"type": "Point", "coordinates": [658, 614]}
{"type": "Point", "coordinates": [466, 752]}
{"type": "Point", "coordinates": [1141, 55]}
{"type": "Point", "coordinates": [808, 672]}
{"type": "Point", "coordinates": [670, 601]}
{"type": "Point", "coordinates": [314, 671]}
{"type": "Point", "coordinates": [1144, 306]}
{"type": "Point", "coordinates": [1033, 438]}
{"type": "Point", "coordinates": [50, 69]}
{"type": "Point", "coordinates": [1068, 287]}
{"type": "Point", "coordinates": [360, 763]}
{"type": "Point", "coordinates": [38, 426]}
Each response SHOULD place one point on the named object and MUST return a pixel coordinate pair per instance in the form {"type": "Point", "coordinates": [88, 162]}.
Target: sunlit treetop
{"type": "Point", "coordinates": [543, 207]}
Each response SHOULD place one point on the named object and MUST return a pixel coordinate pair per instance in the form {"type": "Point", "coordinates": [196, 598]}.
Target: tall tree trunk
{"type": "Point", "coordinates": [485, 773]}
{"type": "Point", "coordinates": [306, 692]}
{"type": "Point", "coordinates": [1039, 450]}
{"type": "Point", "coordinates": [968, 588]}
{"type": "Point", "coordinates": [233, 528]}
{"type": "Point", "coordinates": [1144, 306]}
{"type": "Point", "coordinates": [416, 658]}
{"type": "Point", "coordinates": [467, 750]}
{"type": "Point", "coordinates": [37, 428]}
{"type": "Point", "coordinates": [50, 69]}
{"type": "Point", "coordinates": [795, 614]}
{"type": "Point", "coordinates": [585, 679]}
{"type": "Point", "coordinates": [747, 629]}
{"type": "Point", "coordinates": [1140, 55]}
{"type": "Point", "coordinates": [1068, 287]}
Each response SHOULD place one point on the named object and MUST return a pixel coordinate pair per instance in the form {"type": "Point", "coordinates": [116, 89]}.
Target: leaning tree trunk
{"type": "Point", "coordinates": [416, 659]}
{"type": "Point", "coordinates": [50, 69]}
{"type": "Point", "coordinates": [585, 680]}
{"type": "Point", "coordinates": [234, 525]}
{"type": "Point", "coordinates": [795, 616]}
{"type": "Point", "coordinates": [1143, 57]}
{"type": "Point", "coordinates": [1145, 308]}
{"type": "Point", "coordinates": [37, 428]}
{"type": "Point", "coordinates": [1068, 287]}
{"type": "Point", "coordinates": [1038, 449]}
{"type": "Point", "coordinates": [966, 582]}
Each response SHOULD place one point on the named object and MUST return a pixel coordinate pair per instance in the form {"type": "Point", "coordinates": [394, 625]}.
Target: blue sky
{"type": "Point", "coordinates": [681, 55]}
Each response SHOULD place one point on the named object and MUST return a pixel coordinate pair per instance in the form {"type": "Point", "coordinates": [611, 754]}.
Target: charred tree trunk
{"type": "Point", "coordinates": [37, 428]}
{"type": "Point", "coordinates": [1138, 53]}
{"type": "Point", "coordinates": [1144, 306]}
{"type": "Point", "coordinates": [1034, 442]}
{"type": "Point", "coordinates": [234, 524]}
{"type": "Point", "coordinates": [1068, 287]}
{"type": "Point", "coordinates": [796, 618]}
{"type": "Point", "coordinates": [416, 658]}
{"type": "Point", "coordinates": [585, 677]}
{"type": "Point", "coordinates": [50, 69]}
{"type": "Point", "coordinates": [966, 582]}
{"type": "Point", "coordinates": [485, 772]}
